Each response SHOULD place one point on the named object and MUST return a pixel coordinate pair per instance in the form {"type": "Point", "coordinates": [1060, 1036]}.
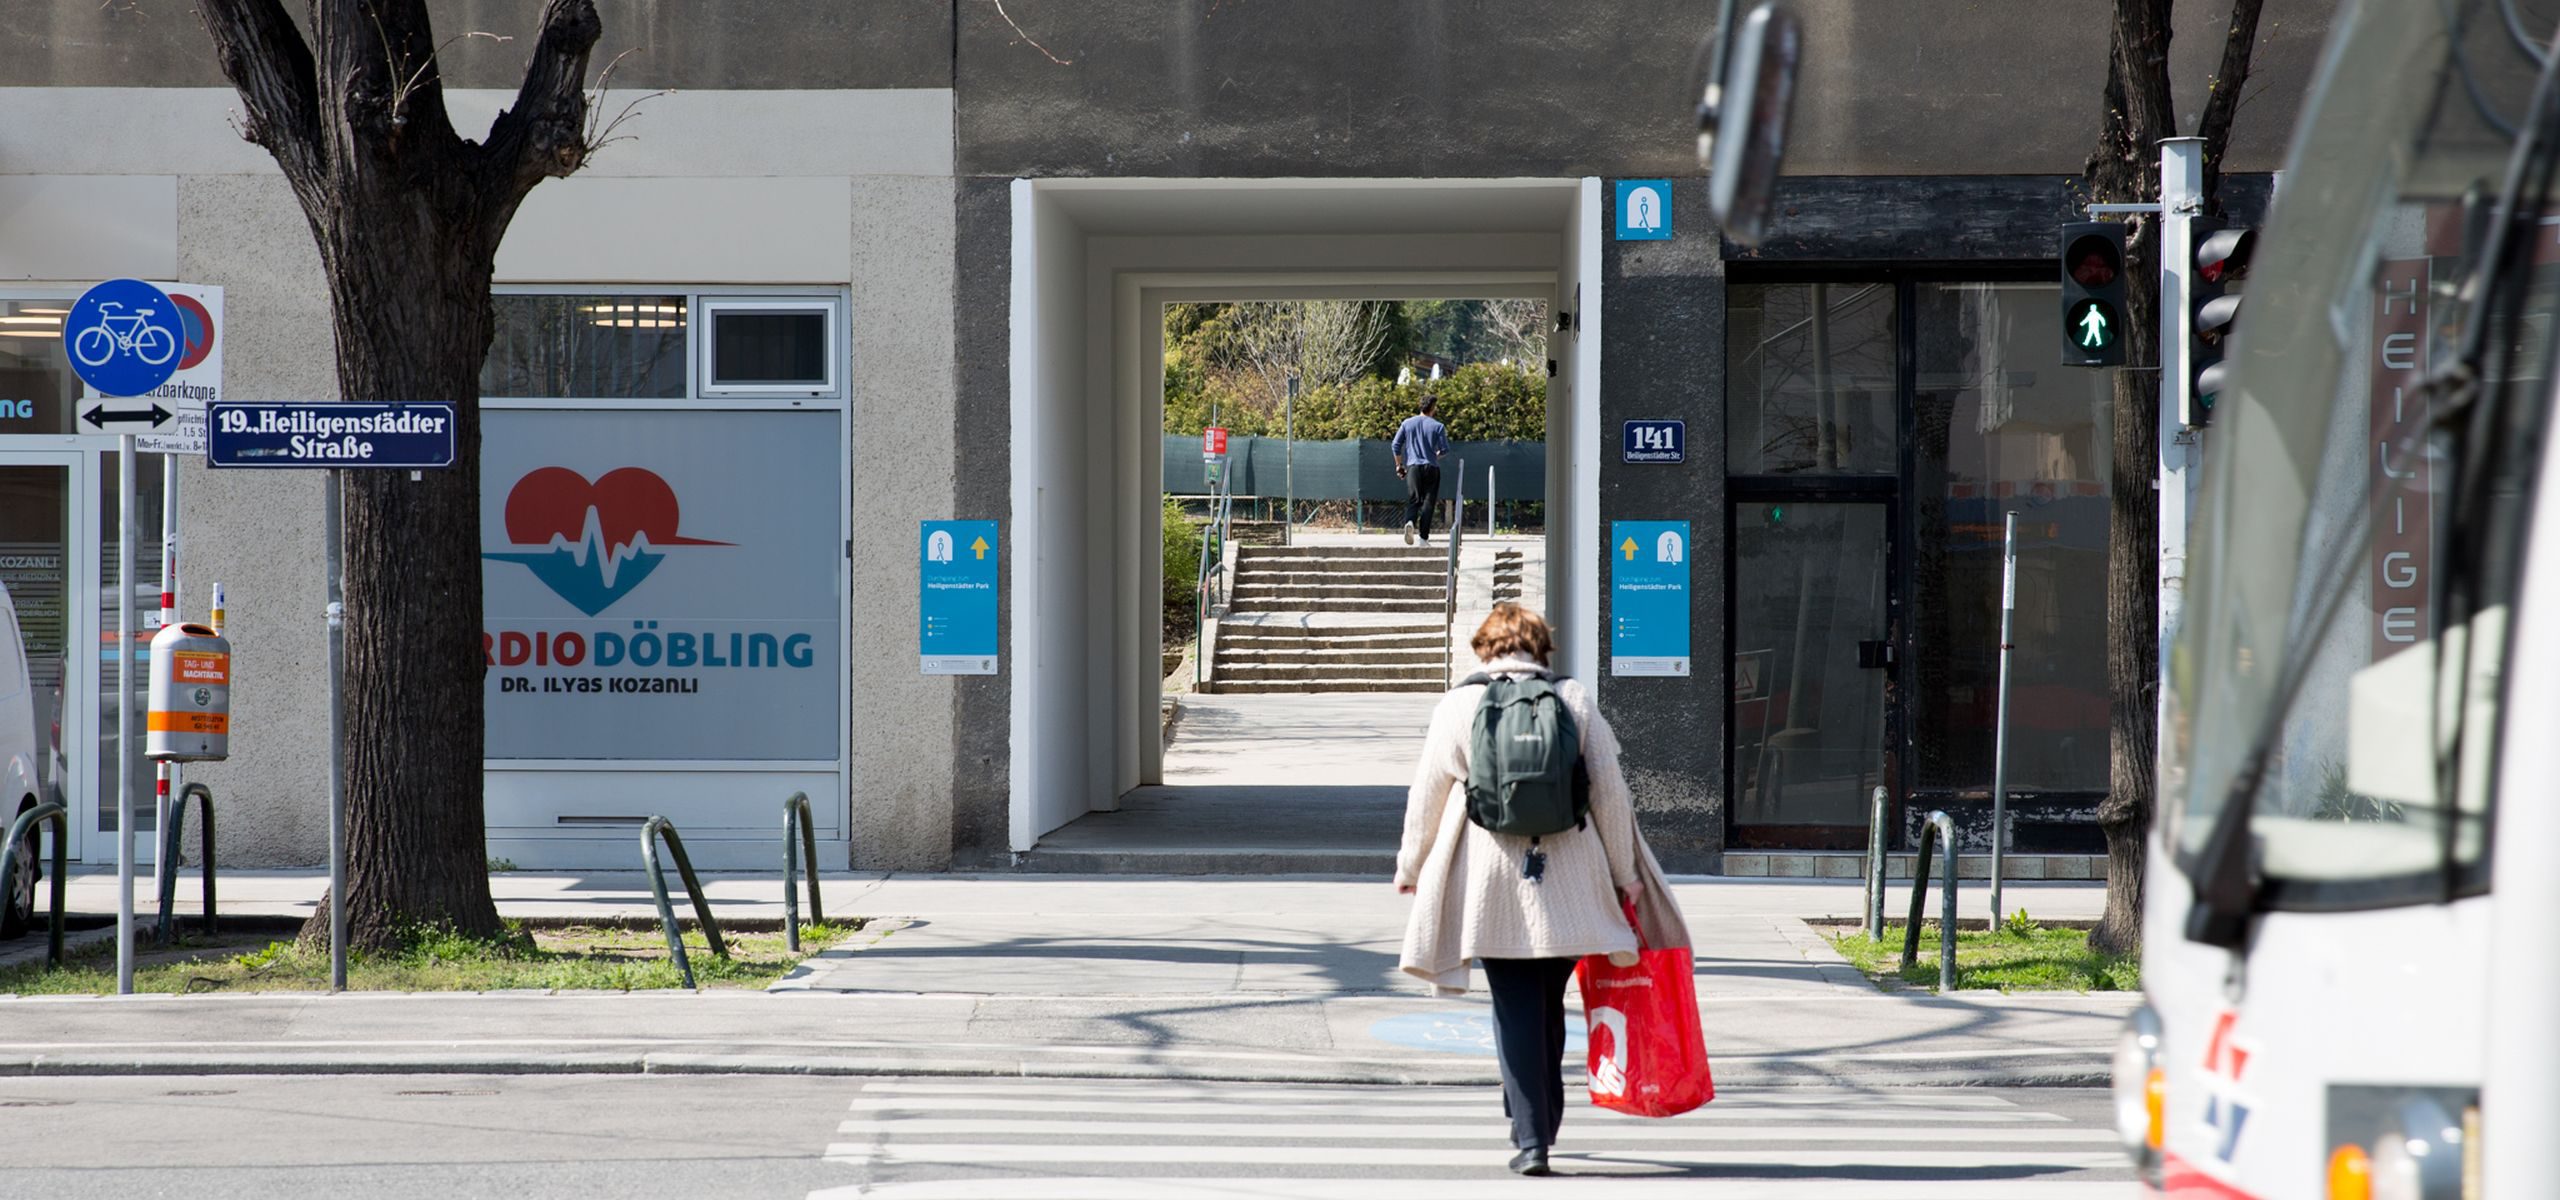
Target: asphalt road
{"type": "Point", "coordinates": [519, 1137]}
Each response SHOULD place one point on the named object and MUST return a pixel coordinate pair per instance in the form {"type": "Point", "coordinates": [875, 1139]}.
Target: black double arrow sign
{"type": "Point", "coordinates": [154, 419]}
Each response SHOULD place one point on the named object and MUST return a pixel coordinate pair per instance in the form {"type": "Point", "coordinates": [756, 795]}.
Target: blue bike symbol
{"type": "Point", "coordinates": [126, 333]}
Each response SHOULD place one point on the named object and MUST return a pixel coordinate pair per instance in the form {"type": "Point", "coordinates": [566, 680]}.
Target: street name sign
{"type": "Point", "coordinates": [956, 605]}
{"type": "Point", "coordinates": [1649, 597]}
{"type": "Point", "coordinates": [1656, 441]}
{"type": "Point", "coordinates": [412, 437]}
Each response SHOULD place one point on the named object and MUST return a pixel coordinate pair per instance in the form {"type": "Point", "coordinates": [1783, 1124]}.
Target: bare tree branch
{"type": "Point", "coordinates": [1020, 34]}
{"type": "Point", "coordinates": [544, 134]}
{"type": "Point", "coordinates": [266, 60]}
{"type": "Point", "coordinates": [2239, 43]}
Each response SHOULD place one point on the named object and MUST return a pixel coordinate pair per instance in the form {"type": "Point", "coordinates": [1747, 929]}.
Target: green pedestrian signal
{"type": "Point", "coordinates": [2093, 294]}
{"type": "Point", "coordinates": [2093, 325]}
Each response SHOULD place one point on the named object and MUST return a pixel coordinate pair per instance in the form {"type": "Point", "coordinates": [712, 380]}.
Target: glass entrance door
{"type": "Point", "coordinates": [1812, 612]}
{"type": "Point", "coordinates": [45, 713]}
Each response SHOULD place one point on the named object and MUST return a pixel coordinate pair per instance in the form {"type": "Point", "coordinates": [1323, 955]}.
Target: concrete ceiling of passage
{"type": "Point", "coordinates": [1230, 207]}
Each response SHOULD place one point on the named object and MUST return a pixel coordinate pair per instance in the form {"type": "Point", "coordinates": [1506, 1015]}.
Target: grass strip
{"type": "Point", "coordinates": [571, 958]}
{"type": "Point", "coordinates": [2020, 956]}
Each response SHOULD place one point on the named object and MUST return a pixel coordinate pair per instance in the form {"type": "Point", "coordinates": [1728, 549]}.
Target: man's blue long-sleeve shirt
{"type": "Point", "coordinates": [1421, 440]}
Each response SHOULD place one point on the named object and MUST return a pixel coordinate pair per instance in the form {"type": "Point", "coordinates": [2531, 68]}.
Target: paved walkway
{"type": "Point", "coordinates": [1245, 979]}
{"type": "Point", "coordinates": [1260, 785]}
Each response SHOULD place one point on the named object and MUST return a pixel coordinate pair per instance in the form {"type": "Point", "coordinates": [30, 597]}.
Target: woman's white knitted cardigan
{"type": "Point", "coordinates": [1472, 898]}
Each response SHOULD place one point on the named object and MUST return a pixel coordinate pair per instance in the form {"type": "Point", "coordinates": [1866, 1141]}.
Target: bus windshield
{"type": "Point", "coordinates": [2319, 674]}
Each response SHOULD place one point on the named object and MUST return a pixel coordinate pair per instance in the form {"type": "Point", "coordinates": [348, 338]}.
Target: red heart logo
{"type": "Point", "coordinates": [629, 503]}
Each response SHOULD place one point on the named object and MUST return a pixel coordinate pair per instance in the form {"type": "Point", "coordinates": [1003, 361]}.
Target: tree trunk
{"type": "Point", "coordinates": [413, 323]}
{"type": "Point", "coordinates": [408, 217]}
{"type": "Point", "coordinates": [2126, 168]}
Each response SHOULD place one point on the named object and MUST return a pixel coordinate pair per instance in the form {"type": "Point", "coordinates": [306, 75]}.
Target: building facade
{"type": "Point", "coordinates": [857, 267]}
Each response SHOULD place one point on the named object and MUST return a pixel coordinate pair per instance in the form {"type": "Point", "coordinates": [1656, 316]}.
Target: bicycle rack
{"type": "Point", "coordinates": [1943, 828]}
{"type": "Point", "coordinates": [24, 826]}
{"type": "Point", "coordinates": [795, 815]}
{"type": "Point", "coordinates": [170, 840]}
{"type": "Point", "coordinates": [650, 831]}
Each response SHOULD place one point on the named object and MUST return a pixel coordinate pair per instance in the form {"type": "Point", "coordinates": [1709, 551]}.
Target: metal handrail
{"type": "Point", "coordinates": [1943, 828]}
{"type": "Point", "coordinates": [1449, 595]}
{"type": "Point", "coordinates": [170, 840]}
{"type": "Point", "coordinates": [650, 831]}
{"type": "Point", "coordinates": [54, 811]}
{"type": "Point", "coordinates": [795, 813]}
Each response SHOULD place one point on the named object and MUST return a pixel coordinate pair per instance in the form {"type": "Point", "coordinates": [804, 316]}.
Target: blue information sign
{"type": "Point", "coordinates": [410, 437]}
{"type": "Point", "coordinates": [1644, 210]}
{"type": "Point", "coordinates": [956, 607]}
{"type": "Point", "coordinates": [1649, 597]}
{"type": "Point", "coordinates": [1657, 441]}
{"type": "Point", "coordinates": [123, 337]}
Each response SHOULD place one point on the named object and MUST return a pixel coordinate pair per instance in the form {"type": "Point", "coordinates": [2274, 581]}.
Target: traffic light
{"type": "Point", "coordinates": [2093, 320]}
{"type": "Point", "coordinates": [2222, 259]}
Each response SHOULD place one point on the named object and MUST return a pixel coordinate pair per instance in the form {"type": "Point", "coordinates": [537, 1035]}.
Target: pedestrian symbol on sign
{"type": "Point", "coordinates": [938, 547]}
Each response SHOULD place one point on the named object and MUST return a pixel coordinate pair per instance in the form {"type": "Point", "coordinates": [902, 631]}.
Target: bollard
{"type": "Point", "coordinates": [1943, 827]}
{"type": "Point", "coordinates": [172, 836]}
{"type": "Point", "coordinates": [650, 831]}
{"type": "Point", "coordinates": [24, 826]}
{"type": "Point", "coordinates": [795, 815]}
{"type": "Point", "coordinates": [1876, 858]}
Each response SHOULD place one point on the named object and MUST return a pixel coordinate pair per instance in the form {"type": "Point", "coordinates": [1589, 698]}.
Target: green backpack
{"type": "Point", "coordinates": [1525, 775]}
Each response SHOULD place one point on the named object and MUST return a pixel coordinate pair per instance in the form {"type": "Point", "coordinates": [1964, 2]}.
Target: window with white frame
{"type": "Point", "coordinates": [664, 346]}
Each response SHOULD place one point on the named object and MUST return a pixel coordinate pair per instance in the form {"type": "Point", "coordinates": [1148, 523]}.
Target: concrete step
{"type": "Point", "coordinates": [1432, 644]}
{"type": "Point", "coordinates": [1403, 656]}
{"type": "Point", "coordinates": [1266, 574]}
{"type": "Point", "coordinates": [1316, 686]}
{"type": "Point", "coordinates": [1303, 604]}
{"type": "Point", "coordinates": [1319, 597]}
{"type": "Point", "coordinates": [1437, 552]}
{"type": "Point", "coordinates": [1246, 673]}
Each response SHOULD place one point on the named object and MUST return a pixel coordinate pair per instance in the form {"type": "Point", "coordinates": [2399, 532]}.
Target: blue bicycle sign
{"type": "Point", "coordinates": [122, 336]}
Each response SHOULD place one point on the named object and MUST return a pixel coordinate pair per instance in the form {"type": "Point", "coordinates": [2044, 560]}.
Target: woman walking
{"type": "Point", "coordinates": [1526, 909]}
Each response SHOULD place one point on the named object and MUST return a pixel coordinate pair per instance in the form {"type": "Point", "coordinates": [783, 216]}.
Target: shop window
{"type": "Point", "coordinates": [768, 347]}
{"type": "Point", "coordinates": [2001, 428]}
{"type": "Point", "coordinates": [1810, 385]}
{"type": "Point", "coordinates": [587, 347]}
{"type": "Point", "coordinates": [36, 387]}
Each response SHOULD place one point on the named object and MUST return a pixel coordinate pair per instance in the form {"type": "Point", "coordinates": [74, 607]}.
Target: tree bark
{"type": "Point", "coordinates": [2125, 168]}
{"type": "Point", "coordinates": [407, 216]}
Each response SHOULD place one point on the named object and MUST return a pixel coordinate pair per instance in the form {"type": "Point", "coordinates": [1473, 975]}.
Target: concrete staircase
{"type": "Point", "coordinates": [1334, 619]}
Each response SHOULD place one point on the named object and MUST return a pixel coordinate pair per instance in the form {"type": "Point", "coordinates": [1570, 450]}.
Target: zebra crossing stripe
{"type": "Point", "coordinates": [2008, 1158]}
{"type": "Point", "coordinates": [1086, 1187]}
{"type": "Point", "coordinates": [1489, 1131]}
{"type": "Point", "coordinates": [1402, 1096]}
{"type": "Point", "coordinates": [1721, 1112]}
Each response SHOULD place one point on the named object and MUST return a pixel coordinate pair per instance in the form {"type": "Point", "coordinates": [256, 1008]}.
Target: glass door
{"type": "Point", "coordinates": [1812, 587]}
{"type": "Point", "coordinates": [46, 716]}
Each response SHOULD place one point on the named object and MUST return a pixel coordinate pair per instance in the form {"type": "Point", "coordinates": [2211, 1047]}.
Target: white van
{"type": "Point", "coordinates": [20, 743]}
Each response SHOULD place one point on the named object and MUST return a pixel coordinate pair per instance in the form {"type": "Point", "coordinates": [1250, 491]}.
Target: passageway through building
{"type": "Point", "coordinates": [1295, 724]}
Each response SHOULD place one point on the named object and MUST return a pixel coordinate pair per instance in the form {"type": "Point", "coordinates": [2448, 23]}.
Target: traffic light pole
{"type": "Point", "coordinates": [2181, 447]}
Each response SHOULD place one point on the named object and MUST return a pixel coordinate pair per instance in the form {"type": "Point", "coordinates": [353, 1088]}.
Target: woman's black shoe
{"type": "Point", "coordinates": [1532, 1161]}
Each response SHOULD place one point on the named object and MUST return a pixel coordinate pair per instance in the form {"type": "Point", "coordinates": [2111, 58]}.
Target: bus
{"type": "Point", "coordinates": [2352, 916]}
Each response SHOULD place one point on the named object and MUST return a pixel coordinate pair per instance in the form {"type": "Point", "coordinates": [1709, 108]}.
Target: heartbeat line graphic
{"type": "Point", "coordinates": [591, 546]}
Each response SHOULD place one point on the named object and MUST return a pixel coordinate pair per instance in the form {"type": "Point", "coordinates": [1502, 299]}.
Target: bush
{"type": "Point", "coordinates": [1181, 557]}
{"type": "Point", "coordinates": [1481, 402]}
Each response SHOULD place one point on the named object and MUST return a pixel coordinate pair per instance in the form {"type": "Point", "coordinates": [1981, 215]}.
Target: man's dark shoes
{"type": "Point", "coordinates": [1532, 1161]}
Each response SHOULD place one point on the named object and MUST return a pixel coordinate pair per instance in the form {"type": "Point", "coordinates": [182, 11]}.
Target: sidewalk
{"type": "Point", "coordinates": [1281, 979]}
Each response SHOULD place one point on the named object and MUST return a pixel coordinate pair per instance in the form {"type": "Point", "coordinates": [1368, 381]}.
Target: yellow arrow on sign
{"type": "Point", "coordinates": [980, 546]}
{"type": "Point", "coordinates": [1630, 549]}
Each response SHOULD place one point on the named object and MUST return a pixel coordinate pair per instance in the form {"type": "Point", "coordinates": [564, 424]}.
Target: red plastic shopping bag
{"type": "Point", "coordinates": [1648, 1053]}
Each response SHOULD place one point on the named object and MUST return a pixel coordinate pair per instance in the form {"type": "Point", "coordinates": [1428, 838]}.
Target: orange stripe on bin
{"type": "Point", "coordinates": [190, 722]}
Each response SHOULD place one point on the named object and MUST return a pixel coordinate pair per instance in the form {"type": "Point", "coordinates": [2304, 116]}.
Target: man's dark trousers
{"type": "Point", "coordinates": [1421, 496]}
{"type": "Point", "coordinates": [1528, 1034]}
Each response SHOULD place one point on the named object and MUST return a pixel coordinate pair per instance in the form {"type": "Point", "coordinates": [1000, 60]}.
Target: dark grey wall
{"type": "Point", "coordinates": [680, 43]}
{"type": "Point", "coordinates": [1528, 87]}
{"type": "Point", "coordinates": [1662, 331]}
{"type": "Point", "coordinates": [982, 706]}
